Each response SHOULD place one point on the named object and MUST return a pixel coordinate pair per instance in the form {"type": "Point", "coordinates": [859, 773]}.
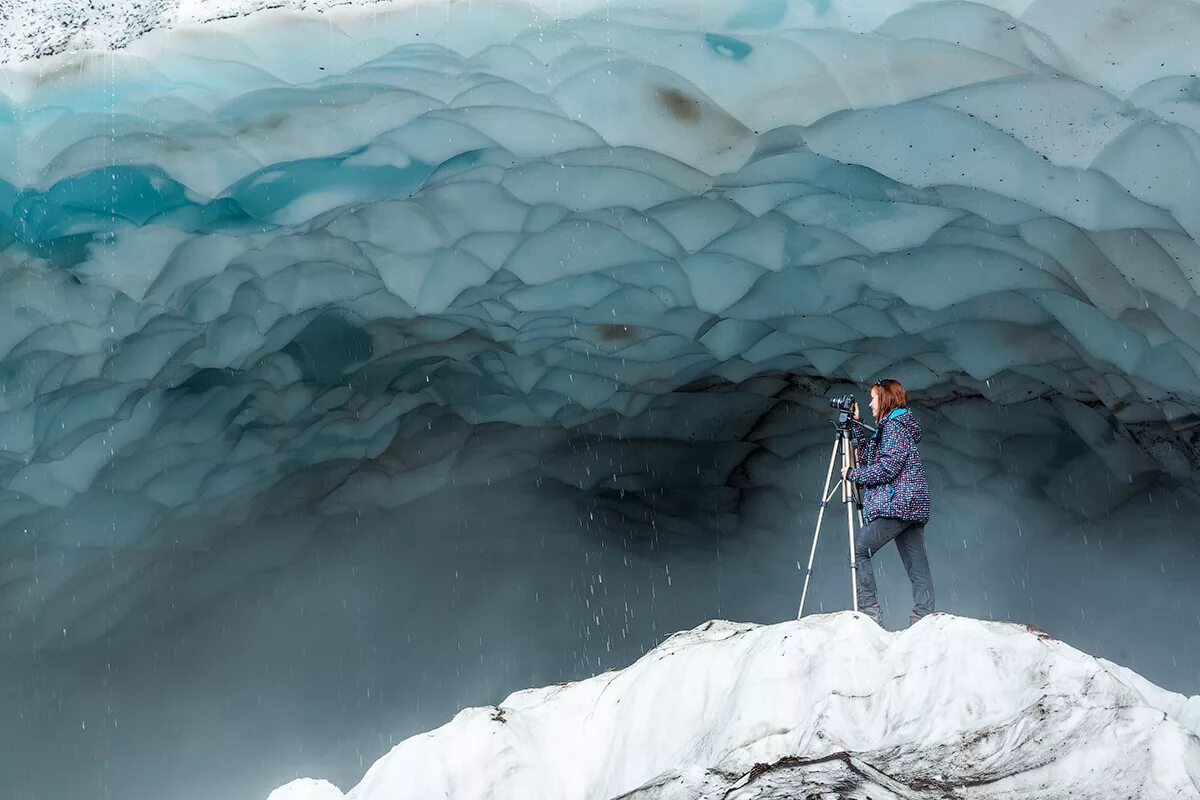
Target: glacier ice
{"type": "Point", "coordinates": [292, 276]}
{"type": "Point", "coordinates": [829, 706]}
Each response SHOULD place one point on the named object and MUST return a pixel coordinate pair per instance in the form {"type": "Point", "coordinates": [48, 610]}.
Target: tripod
{"type": "Point", "coordinates": [851, 497]}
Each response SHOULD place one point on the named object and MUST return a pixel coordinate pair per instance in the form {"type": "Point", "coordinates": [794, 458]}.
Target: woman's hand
{"type": "Point", "coordinates": [844, 471]}
{"type": "Point", "coordinates": [856, 410]}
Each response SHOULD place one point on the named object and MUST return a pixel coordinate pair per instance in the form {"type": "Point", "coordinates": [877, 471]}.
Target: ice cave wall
{"type": "Point", "coordinates": [311, 254]}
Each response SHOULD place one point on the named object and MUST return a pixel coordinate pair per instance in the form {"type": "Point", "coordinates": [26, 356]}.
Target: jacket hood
{"type": "Point", "coordinates": [909, 421]}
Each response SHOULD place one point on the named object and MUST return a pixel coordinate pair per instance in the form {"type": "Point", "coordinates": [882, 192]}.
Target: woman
{"type": "Point", "coordinates": [896, 498]}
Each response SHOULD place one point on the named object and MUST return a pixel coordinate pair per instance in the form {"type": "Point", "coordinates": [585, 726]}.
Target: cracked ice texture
{"type": "Point", "coordinates": [240, 246]}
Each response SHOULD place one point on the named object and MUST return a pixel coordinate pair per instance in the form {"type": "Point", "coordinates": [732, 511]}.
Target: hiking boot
{"type": "Point", "coordinates": [874, 613]}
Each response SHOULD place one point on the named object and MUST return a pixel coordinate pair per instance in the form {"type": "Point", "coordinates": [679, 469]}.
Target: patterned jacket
{"type": "Point", "coordinates": [890, 469]}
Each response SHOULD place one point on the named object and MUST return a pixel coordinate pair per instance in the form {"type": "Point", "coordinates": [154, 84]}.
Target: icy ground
{"type": "Point", "coordinates": [827, 707]}
{"type": "Point", "coordinates": [525, 315]}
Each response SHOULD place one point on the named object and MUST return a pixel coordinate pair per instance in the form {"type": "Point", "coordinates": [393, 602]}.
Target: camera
{"type": "Point", "coordinates": [845, 407]}
{"type": "Point", "coordinates": [845, 403]}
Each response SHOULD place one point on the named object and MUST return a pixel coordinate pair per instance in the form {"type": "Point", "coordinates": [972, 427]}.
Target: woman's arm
{"type": "Point", "coordinates": [893, 450]}
{"type": "Point", "coordinates": [860, 445]}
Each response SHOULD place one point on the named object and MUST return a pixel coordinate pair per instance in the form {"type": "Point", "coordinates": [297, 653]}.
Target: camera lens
{"type": "Point", "coordinates": [842, 403]}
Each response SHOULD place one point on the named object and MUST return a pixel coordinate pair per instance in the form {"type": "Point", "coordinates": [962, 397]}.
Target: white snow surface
{"type": "Point", "coordinates": [830, 706]}
{"type": "Point", "coordinates": [307, 789]}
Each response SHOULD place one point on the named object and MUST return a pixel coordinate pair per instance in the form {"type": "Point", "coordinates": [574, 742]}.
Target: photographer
{"type": "Point", "coordinates": [896, 498]}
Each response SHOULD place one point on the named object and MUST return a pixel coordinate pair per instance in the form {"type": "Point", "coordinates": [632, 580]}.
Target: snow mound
{"type": "Point", "coordinates": [307, 789]}
{"type": "Point", "coordinates": [827, 706]}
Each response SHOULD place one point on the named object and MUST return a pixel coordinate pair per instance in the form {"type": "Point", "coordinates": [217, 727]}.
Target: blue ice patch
{"type": "Point", "coordinates": [728, 46]}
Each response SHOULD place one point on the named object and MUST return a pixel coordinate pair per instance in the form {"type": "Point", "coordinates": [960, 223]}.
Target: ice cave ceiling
{"type": "Point", "coordinates": [326, 257]}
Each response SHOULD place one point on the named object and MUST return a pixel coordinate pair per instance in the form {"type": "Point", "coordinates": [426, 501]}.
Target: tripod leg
{"type": "Point", "coordinates": [847, 497]}
{"type": "Point", "coordinates": [820, 515]}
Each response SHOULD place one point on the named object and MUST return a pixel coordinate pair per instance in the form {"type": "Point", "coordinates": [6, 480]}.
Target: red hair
{"type": "Point", "coordinates": [891, 396]}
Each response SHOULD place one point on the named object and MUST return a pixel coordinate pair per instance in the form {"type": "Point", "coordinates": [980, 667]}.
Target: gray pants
{"type": "Point", "coordinates": [910, 541]}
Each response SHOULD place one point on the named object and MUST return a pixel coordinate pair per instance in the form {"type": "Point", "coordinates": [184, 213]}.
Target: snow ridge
{"type": "Point", "coordinates": [828, 706]}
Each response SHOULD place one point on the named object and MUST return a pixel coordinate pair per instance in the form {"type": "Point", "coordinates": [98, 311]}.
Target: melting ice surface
{"type": "Point", "coordinates": [363, 361]}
